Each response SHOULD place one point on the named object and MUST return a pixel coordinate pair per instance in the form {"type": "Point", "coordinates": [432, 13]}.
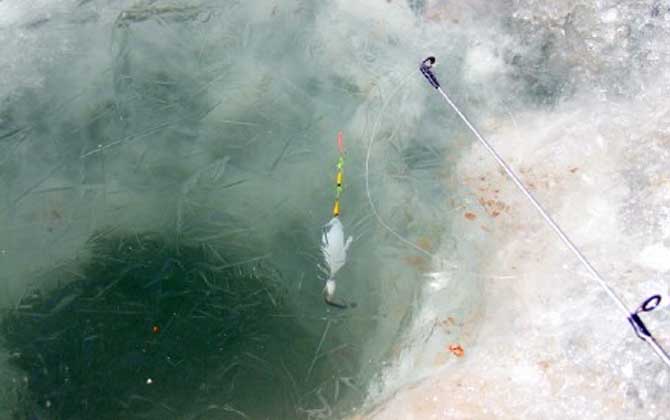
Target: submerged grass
{"type": "Point", "coordinates": [148, 329]}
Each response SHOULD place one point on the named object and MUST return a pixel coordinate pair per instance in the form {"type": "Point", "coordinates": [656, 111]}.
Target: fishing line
{"type": "Point", "coordinates": [633, 317]}
{"type": "Point", "coordinates": [375, 126]}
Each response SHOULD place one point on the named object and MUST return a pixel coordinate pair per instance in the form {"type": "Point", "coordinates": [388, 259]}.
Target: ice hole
{"type": "Point", "coordinates": [161, 157]}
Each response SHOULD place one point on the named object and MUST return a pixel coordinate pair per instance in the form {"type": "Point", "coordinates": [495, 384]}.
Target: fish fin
{"type": "Point", "coordinates": [348, 243]}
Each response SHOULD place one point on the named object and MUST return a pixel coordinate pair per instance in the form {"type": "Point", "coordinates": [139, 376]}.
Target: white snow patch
{"type": "Point", "coordinates": [655, 257]}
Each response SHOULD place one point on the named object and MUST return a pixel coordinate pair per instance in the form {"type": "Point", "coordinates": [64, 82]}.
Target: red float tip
{"type": "Point", "coordinates": [340, 142]}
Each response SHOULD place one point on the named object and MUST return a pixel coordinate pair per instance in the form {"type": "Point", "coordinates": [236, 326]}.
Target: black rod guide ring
{"type": "Point", "coordinates": [648, 305]}
{"type": "Point", "coordinates": [425, 69]}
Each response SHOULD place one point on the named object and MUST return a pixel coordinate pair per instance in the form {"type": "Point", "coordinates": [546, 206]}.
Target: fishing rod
{"type": "Point", "coordinates": [633, 317]}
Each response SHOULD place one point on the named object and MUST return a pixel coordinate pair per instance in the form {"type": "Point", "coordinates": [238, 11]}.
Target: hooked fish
{"type": "Point", "coordinates": [334, 249]}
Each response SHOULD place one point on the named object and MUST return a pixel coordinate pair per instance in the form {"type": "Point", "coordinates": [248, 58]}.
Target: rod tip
{"type": "Point", "coordinates": [428, 62]}
{"type": "Point", "coordinates": [425, 68]}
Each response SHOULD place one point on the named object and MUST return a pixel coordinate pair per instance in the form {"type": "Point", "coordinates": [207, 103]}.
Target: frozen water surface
{"type": "Point", "coordinates": [166, 168]}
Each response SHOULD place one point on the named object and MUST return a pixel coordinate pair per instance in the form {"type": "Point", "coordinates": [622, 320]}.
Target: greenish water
{"type": "Point", "coordinates": [149, 327]}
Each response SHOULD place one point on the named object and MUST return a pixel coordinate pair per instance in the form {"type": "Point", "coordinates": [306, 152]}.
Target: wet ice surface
{"type": "Point", "coordinates": [212, 125]}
